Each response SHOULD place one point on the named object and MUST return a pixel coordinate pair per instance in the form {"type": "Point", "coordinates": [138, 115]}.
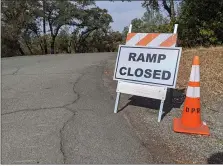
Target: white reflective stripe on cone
{"type": "Point", "coordinates": [193, 92]}
{"type": "Point", "coordinates": [195, 73]}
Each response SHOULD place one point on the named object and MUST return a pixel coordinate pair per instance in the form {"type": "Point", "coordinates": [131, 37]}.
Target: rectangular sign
{"type": "Point", "coordinates": [148, 65]}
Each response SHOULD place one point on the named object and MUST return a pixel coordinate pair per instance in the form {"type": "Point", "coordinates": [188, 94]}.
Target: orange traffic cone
{"type": "Point", "coordinates": [190, 122]}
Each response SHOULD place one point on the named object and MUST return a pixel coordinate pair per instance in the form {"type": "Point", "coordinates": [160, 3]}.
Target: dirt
{"type": "Point", "coordinates": [159, 138]}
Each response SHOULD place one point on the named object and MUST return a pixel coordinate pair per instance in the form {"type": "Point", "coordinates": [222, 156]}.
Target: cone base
{"type": "Point", "coordinates": [179, 127]}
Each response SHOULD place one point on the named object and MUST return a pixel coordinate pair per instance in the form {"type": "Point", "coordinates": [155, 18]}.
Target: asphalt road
{"type": "Point", "coordinates": [56, 110]}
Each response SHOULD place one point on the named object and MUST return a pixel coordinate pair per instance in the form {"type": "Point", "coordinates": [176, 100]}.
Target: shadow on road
{"type": "Point", "coordinates": [172, 101]}
{"type": "Point", "coordinates": [216, 158]}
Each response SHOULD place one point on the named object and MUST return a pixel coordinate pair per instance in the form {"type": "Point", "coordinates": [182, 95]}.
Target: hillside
{"type": "Point", "coordinates": [211, 65]}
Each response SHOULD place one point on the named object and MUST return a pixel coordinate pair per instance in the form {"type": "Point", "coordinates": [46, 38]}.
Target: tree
{"type": "Point", "coordinates": [150, 22]}
{"type": "Point", "coordinates": [124, 33]}
{"type": "Point", "coordinates": [151, 5]}
{"type": "Point", "coordinates": [138, 25]}
{"type": "Point", "coordinates": [63, 12]}
{"type": "Point", "coordinates": [94, 19]}
{"type": "Point", "coordinates": [154, 18]}
{"type": "Point", "coordinates": [115, 40]}
{"type": "Point", "coordinates": [201, 22]}
{"type": "Point", "coordinates": [25, 27]}
{"type": "Point", "coordinates": [99, 40]}
{"type": "Point", "coordinates": [63, 41]}
{"type": "Point", "coordinates": [16, 16]}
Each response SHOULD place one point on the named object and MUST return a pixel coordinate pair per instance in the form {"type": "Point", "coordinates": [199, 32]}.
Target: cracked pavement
{"type": "Point", "coordinates": [56, 110]}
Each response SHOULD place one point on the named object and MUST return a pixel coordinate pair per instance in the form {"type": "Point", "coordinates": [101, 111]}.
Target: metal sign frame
{"type": "Point", "coordinates": [136, 89]}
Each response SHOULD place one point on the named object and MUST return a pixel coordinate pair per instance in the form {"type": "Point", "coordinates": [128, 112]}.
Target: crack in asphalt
{"type": "Point", "coordinates": [75, 91]}
{"type": "Point", "coordinates": [65, 123]}
{"type": "Point", "coordinates": [28, 110]}
{"type": "Point", "coordinates": [14, 73]}
{"type": "Point", "coordinates": [44, 108]}
{"type": "Point", "coordinates": [74, 113]}
{"type": "Point", "coordinates": [62, 137]}
{"type": "Point", "coordinates": [64, 106]}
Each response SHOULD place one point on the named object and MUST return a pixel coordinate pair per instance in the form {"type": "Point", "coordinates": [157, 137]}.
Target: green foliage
{"type": "Point", "coordinates": [124, 34]}
{"type": "Point", "coordinates": [151, 22]}
{"type": "Point", "coordinates": [22, 31]}
{"type": "Point", "coordinates": [154, 18]}
{"type": "Point", "coordinates": [64, 12]}
{"type": "Point", "coordinates": [153, 5]}
{"type": "Point", "coordinates": [201, 23]}
{"type": "Point", "coordinates": [63, 41]}
{"type": "Point", "coordinates": [16, 17]}
{"type": "Point", "coordinates": [98, 41]}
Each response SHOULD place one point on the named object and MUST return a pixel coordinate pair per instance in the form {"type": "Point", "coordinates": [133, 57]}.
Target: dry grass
{"type": "Point", "coordinates": [211, 72]}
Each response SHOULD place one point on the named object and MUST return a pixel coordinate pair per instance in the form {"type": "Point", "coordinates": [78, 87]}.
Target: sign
{"type": "Point", "coordinates": [148, 65]}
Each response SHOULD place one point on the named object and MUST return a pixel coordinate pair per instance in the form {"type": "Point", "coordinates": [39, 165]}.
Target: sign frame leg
{"type": "Point", "coordinates": [160, 110]}
{"type": "Point", "coordinates": [117, 102]}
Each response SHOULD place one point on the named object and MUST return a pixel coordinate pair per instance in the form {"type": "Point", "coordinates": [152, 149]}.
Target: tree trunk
{"type": "Point", "coordinates": [41, 47]}
{"type": "Point", "coordinates": [29, 48]}
{"type": "Point", "coordinates": [172, 10]}
{"type": "Point", "coordinates": [44, 27]}
{"type": "Point", "coordinates": [21, 51]}
{"type": "Point", "coordinates": [52, 45]}
{"type": "Point", "coordinates": [69, 46]}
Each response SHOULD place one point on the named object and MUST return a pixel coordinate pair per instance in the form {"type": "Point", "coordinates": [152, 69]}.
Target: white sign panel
{"type": "Point", "coordinates": [148, 65]}
{"type": "Point", "coordinates": [155, 92]}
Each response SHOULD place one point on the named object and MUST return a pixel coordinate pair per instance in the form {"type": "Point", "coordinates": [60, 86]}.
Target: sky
{"type": "Point", "coordinates": [122, 12]}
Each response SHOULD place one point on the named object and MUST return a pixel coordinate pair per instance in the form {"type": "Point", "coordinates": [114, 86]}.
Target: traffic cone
{"type": "Point", "coordinates": [190, 122]}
